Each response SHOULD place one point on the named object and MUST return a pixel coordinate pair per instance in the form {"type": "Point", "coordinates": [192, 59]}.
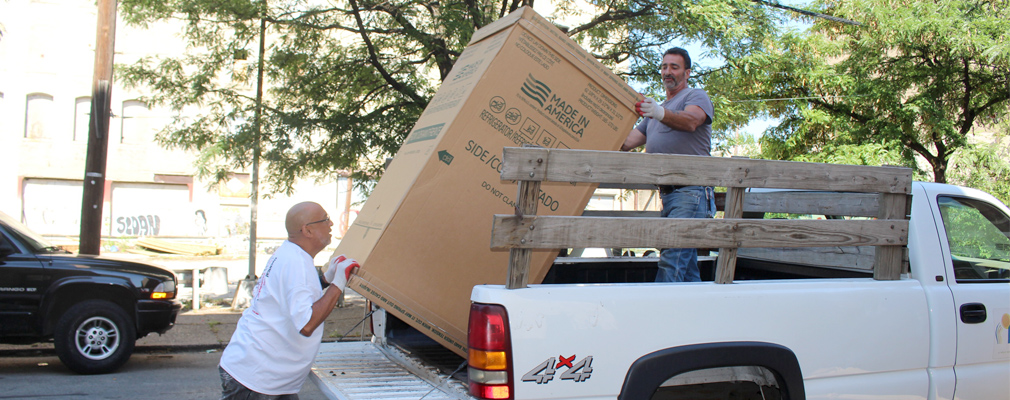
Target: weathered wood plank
{"type": "Point", "coordinates": [725, 266]}
{"type": "Point", "coordinates": [621, 213]}
{"type": "Point", "coordinates": [850, 257]}
{"type": "Point", "coordinates": [816, 203]}
{"type": "Point", "coordinates": [887, 263]}
{"type": "Point", "coordinates": [554, 232]}
{"type": "Point", "coordinates": [519, 258]}
{"type": "Point", "coordinates": [667, 169]}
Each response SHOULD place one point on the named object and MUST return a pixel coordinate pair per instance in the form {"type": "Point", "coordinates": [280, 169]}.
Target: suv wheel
{"type": "Point", "coordinates": [94, 337]}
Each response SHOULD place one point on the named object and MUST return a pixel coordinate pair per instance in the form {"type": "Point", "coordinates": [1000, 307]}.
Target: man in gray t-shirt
{"type": "Point", "coordinates": [680, 125]}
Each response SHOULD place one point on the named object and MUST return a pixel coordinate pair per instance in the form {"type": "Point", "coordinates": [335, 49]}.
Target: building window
{"type": "Point", "coordinates": [134, 124]}
{"type": "Point", "coordinates": [38, 110]}
{"type": "Point", "coordinates": [82, 117]}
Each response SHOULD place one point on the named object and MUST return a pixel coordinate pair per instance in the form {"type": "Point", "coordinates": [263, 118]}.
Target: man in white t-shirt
{"type": "Point", "coordinates": [271, 352]}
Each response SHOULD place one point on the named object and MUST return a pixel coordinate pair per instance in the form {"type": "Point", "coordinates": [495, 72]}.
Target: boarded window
{"type": "Point", "coordinates": [135, 123]}
{"type": "Point", "coordinates": [38, 112]}
{"type": "Point", "coordinates": [82, 117]}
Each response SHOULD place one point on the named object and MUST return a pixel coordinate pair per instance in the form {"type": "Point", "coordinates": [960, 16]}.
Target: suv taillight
{"type": "Point", "coordinates": [490, 362]}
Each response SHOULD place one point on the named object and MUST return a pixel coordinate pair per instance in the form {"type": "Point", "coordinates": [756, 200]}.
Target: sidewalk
{"type": "Point", "coordinates": [210, 328]}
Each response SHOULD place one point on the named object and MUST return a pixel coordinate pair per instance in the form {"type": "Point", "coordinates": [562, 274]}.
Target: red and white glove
{"type": "Point", "coordinates": [340, 271]}
{"type": "Point", "coordinates": [649, 108]}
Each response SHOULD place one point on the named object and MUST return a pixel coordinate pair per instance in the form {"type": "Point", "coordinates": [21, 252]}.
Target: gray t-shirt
{"type": "Point", "coordinates": [660, 138]}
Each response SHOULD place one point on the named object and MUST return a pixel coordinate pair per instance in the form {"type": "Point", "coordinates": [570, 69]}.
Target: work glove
{"type": "Point", "coordinates": [649, 108]}
{"type": "Point", "coordinates": [340, 271]}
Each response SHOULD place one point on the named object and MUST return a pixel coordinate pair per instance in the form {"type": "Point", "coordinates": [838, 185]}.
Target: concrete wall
{"type": "Point", "coordinates": [46, 64]}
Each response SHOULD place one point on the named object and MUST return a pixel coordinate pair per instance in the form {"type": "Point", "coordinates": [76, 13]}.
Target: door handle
{"type": "Point", "coordinates": [973, 313]}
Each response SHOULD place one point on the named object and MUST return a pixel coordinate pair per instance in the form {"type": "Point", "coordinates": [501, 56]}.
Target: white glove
{"type": "Point", "coordinates": [649, 108]}
{"type": "Point", "coordinates": [340, 271]}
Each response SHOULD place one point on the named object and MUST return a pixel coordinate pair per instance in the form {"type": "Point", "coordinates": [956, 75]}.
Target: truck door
{"type": "Point", "coordinates": [22, 277]}
{"type": "Point", "coordinates": [977, 258]}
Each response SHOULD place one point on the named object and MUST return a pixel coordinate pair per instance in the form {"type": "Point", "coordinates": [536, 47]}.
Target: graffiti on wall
{"type": "Point", "coordinates": [138, 225]}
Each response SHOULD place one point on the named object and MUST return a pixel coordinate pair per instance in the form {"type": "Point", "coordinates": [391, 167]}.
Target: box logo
{"type": "Point", "coordinates": [562, 112]}
{"type": "Point", "coordinates": [536, 90]}
{"type": "Point", "coordinates": [426, 133]}
{"type": "Point", "coordinates": [445, 157]}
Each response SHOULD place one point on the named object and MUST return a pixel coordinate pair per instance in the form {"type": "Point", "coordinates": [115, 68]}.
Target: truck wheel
{"type": "Point", "coordinates": [94, 337]}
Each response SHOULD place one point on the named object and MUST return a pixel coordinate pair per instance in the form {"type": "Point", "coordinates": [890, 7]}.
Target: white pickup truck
{"type": "Point", "coordinates": [880, 304]}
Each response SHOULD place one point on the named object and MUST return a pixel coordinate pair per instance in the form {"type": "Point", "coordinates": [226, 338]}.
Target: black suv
{"type": "Point", "coordinates": [93, 308]}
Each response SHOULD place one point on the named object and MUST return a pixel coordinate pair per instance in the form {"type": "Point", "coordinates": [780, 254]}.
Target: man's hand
{"type": "Point", "coordinates": [649, 108]}
{"type": "Point", "coordinates": [340, 271]}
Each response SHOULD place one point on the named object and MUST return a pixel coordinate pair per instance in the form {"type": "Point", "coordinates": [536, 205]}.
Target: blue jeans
{"type": "Point", "coordinates": [681, 265]}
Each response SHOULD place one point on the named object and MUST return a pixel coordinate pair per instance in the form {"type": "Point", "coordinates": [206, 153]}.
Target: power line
{"type": "Point", "coordinates": [808, 13]}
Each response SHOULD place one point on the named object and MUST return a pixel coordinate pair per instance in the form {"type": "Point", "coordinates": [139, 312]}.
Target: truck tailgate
{"type": "Point", "coordinates": [365, 370]}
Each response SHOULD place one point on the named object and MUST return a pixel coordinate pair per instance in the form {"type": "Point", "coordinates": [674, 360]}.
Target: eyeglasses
{"type": "Point", "coordinates": [327, 219]}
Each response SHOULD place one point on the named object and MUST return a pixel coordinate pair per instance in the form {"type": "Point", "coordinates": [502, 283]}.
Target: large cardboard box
{"type": "Point", "coordinates": [423, 236]}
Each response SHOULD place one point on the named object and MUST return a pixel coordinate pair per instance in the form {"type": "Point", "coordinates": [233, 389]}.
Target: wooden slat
{"type": "Point", "coordinates": [667, 169]}
{"type": "Point", "coordinates": [816, 203]}
{"type": "Point", "coordinates": [621, 213]}
{"type": "Point", "coordinates": [519, 257]}
{"type": "Point", "coordinates": [725, 267]}
{"type": "Point", "coordinates": [887, 264]}
{"type": "Point", "coordinates": [554, 232]}
{"type": "Point", "coordinates": [851, 257]}
{"type": "Point", "coordinates": [792, 202]}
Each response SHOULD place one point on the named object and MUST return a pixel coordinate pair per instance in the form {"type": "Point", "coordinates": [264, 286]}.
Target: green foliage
{"type": "Point", "coordinates": [345, 81]}
{"type": "Point", "coordinates": [985, 167]}
{"type": "Point", "coordinates": [914, 79]}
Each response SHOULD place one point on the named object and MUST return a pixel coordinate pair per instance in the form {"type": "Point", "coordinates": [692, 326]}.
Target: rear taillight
{"type": "Point", "coordinates": [490, 363]}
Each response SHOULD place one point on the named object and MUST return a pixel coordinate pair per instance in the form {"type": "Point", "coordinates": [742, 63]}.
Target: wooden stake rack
{"type": "Point", "coordinates": [829, 189]}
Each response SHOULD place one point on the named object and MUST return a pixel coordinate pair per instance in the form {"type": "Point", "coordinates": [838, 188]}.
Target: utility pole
{"type": "Point", "coordinates": [98, 131]}
{"type": "Point", "coordinates": [254, 194]}
{"type": "Point", "coordinates": [243, 293]}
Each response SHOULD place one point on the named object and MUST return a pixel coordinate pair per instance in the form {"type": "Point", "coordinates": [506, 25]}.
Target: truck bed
{"type": "Point", "coordinates": [643, 269]}
{"type": "Point", "coordinates": [372, 371]}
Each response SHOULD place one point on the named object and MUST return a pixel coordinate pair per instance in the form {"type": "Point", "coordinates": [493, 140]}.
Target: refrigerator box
{"type": "Point", "coordinates": [423, 236]}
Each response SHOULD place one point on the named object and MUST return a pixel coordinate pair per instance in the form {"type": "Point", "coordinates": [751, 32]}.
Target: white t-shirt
{"type": "Point", "coordinates": [267, 353]}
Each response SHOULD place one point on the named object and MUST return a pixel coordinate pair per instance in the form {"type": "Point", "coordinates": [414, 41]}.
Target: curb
{"type": "Point", "coordinates": [185, 348]}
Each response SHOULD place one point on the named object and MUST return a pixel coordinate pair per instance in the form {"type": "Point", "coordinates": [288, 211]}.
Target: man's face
{"type": "Point", "coordinates": [321, 227]}
{"type": "Point", "coordinates": [674, 72]}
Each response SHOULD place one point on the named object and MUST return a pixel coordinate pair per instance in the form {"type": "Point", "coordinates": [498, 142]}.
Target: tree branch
{"type": "Point", "coordinates": [840, 110]}
{"type": "Point", "coordinates": [968, 114]}
{"type": "Point", "coordinates": [613, 15]}
{"type": "Point", "coordinates": [373, 59]}
{"type": "Point", "coordinates": [436, 46]}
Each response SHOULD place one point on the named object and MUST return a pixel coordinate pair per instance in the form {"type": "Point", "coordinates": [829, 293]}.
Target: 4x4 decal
{"type": "Point", "coordinates": [579, 371]}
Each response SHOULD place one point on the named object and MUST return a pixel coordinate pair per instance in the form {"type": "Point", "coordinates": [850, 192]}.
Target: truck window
{"type": "Point", "coordinates": [979, 238]}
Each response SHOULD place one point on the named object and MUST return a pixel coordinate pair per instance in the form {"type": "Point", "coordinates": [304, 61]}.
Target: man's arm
{"type": "Point", "coordinates": [322, 309]}
{"type": "Point", "coordinates": [635, 138]}
{"type": "Point", "coordinates": [688, 120]}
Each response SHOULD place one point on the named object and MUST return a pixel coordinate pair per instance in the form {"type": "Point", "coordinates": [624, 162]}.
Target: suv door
{"type": "Point", "coordinates": [977, 257]}
{"type": "Point", "coordinates": [22, 282]}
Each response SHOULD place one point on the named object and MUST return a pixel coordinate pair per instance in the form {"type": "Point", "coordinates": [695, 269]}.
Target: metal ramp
{"type": "Point", "coordinates": [363, 370]}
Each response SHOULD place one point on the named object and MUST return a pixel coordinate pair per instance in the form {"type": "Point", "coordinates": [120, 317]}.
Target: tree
{"type": "Point", "coordinates": [348, 79]}
{"type": "Point", "coordinates": [915, 77]}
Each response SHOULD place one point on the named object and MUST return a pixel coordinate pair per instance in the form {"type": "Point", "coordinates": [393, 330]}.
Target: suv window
{"type": "Point", "coordinates": [6, 248]}
{"type": "Point", "coordinates": [979, 238]}
{"type": "Point", "coordinates": [26, 236]}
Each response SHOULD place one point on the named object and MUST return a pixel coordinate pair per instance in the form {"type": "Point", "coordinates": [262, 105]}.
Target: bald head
{"type": "Point", "coordinates": [309, 227]}
{"type": "Point", "coordinates": [301, 214]}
